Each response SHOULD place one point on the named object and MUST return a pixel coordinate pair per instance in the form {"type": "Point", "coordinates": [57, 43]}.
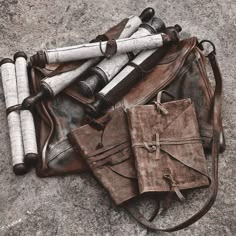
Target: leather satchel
{"type": "Point", "coordinates": [183, 64]}
{"type": "Point", "coordinates": [182, 72]}
{"type": "Point", "coordinates": [108, 153]}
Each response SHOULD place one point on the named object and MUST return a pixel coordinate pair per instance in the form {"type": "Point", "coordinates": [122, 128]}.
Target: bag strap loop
{"type": "Point", "coordinates": [200, 45]}
{"type": "Point", "coordinates": [10, 109]}
{"type": "Point", "coordinates": [111, 48]}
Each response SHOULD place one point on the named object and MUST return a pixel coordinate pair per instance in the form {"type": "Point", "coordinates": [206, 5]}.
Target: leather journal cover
{"type": "Point", "coordinates": [167, 147]}
{"type": "Point", "coordinates": [109, 155]}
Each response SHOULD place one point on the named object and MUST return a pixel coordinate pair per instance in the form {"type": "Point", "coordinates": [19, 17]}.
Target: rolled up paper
{"type": "Point", "coordinates": [102, 73]}
{"type": "Point", "coordinates": [13, 118]}
{"type": "Point", "coordinates": [53, 85]}
{"type": "Point", "coordinates": [27, 121]}
{"type": "Point", "coordinates": [91, 50]}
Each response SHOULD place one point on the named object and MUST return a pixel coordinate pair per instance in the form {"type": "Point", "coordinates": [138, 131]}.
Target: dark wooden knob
{"type": "Point", "coordinates": [31, 159]}
{"type": "Point", "coordinates": [6, 60]}
{"type": "Point", "coordinates": [20, 169]}
{"type": "Point", "coordinates": [172, 34]}
{"type": "Point", "coordinates": [91, 85]}
{"type": "Point", "coordinates": [20, 54]}
{"type": "Point", "coordinates": [96, 109]}
{"type": "Point", "coordinates": [30, 101]}
{"type": "Point", "coordinates": [38, 59]}
{"type": "Point", "coordinates": [158, 25]}
{"type": "Point", "coordinates": [147, 14]}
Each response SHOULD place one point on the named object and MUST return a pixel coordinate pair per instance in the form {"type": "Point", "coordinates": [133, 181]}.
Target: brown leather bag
{"type": "Point", "coordinates": [185, 65]}
{"type": "Point", "coordinates": [181, 71]}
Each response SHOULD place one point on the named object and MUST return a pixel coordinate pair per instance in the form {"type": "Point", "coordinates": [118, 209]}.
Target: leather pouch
{"type": "Point", "coordinates": [182, 72]}
{"type": "Point", "coordinates": [167, 146]}
{"type": "Point", "coordinates": [109, 155]}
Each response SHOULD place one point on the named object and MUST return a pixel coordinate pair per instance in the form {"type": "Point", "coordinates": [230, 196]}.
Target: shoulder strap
{"type": "Point", "coordinates": [217, 132]}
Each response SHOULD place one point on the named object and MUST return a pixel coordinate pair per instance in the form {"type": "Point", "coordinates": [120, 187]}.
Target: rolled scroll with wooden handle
{"type": "Point", "coordinates": [107, 48]}
{"type": "Point", "coordinates": [27, 120]}
{"type": "Point", "coordinates": [13, 117]}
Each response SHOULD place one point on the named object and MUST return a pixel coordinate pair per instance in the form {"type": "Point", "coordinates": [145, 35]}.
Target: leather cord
{"type": "Point", "coordinates": [217, 99]}
{"type": "Point", "coordinates": [111, 48]}
{"type": "Point", "coordinates": [139, 69]}
{"type": "Point", "coordinates": [10, 109]}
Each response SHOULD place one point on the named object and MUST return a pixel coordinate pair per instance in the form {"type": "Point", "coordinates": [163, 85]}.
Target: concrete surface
{"type": "Point", "coordinates": [76, 205]}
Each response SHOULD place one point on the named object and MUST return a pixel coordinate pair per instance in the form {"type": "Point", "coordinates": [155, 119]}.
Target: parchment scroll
{"type": "Point", "coordinates": [27, 121]}
{"type": "Point", "coordinates": [13, 118]}
{"type": "Point", "coordinates": [90, 50]}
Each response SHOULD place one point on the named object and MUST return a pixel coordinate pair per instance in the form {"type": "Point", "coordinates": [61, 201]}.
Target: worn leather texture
{"type": "Point", "coordinates": [109, 155]}
{"type": "Point", "coordinates": [167, 147]}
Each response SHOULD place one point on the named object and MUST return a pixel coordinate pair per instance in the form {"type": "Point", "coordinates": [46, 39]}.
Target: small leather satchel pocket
{"type": "Point", "coordinates": [109, 155]}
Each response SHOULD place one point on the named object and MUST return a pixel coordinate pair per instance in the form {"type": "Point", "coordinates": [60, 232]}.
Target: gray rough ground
{"type": "Point", "coordinates": [76, 205]}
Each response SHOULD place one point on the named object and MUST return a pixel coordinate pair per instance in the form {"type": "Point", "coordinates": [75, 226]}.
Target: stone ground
{"type": "Point", "coordinates": [76, 205]}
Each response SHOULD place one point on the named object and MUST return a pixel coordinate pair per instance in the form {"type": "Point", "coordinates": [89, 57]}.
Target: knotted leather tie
{"type": "Point", "coordinates": [155, 146]}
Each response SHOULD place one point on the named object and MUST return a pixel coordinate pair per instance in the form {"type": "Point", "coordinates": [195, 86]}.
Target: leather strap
{"type": "Point", "coordinates": [139, 69]}
{"type": "Point", "coordinates": [13, 108]}
{"type": "Point", "coordinates": [215, 158]}
{"type": "Point", "coordinates": [100, 158]}
{"type": "Point", "coordinates": [111, 48]}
